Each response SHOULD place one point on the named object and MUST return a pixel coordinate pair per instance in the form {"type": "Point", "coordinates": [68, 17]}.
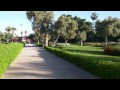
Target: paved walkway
{"type": "Point", "coordinates": [37, 63]}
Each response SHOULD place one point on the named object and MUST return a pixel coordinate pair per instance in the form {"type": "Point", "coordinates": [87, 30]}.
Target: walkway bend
{"type": "Point", "coordinates": [37, 63]}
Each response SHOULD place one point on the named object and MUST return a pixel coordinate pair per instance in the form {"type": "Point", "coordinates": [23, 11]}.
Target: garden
{"type": "Point", "coordinates": [95, 47]}
{"type": "Point", "coordinates": [91, 58]}
{"type": "Point", "coordinates": [97, 44]}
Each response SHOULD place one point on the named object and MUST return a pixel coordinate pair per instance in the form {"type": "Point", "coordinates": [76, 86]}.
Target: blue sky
{"type": "Point", "coordinates": [15, 18]}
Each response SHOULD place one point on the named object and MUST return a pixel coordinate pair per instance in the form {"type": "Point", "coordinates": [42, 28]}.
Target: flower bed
{"type": "Point", "coordinates": [112, 50]}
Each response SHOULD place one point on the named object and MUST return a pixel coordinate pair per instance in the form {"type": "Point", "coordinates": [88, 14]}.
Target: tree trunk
{"type": "Point", "coordinates": [93, 26]}
{"type": "Point", "coordinates": [25, 37]}
{"type": "Point", "coordinates": [66, 41]}
{"type": "Point", "coordinates": [106, 41]}
{"type": "Point", "coordinates": [38, 41]}
{"type": "Point", "coordinates": [46, 40]}
{"type": "Point", "coordinates": [56, 40]}
{"type": "Point", "coordinates": [81, 43]}
{"type": "Point", "coordinates": [21, 37]}
{"type": "Point", "coordinates": [13, 36]}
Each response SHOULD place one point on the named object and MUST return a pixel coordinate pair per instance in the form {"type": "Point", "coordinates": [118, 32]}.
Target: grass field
{"type": "Point", "coordinates": [8, 52]}
{"type": "Point", "coordinates": [95, 52]}
{"type": "Point", "coordinates": [91, 59]}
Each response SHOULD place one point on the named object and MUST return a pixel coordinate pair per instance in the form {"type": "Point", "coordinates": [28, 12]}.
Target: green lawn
{"type": "Point", "coordinates": [90, 51]}
{"type": "Point", "coordinates": [91, 59]}
{"type": "Point", "coordinates": [84, 50]}
{"type": "Point", "coordinates": [8, 52]}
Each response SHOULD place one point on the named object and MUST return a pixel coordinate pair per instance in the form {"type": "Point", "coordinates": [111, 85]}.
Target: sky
{"type": "Point", "coordinates": [16, 18]}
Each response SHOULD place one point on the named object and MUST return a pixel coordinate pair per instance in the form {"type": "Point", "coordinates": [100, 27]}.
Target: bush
{"type": "Point", "coordinates": [39, 44]}
{"type": "Point", "coordinates": [118, 40]}
{"type": "Point", "coordinates": [8, 52]}
{"type": "Point", "coordinates": [112, 50]}
{"type": "Point", "coordinates": [51, 43]}
{"type": "Point", "coordinates": [24, 43]}
{"type": "Point", "coordinates": [101, 67]}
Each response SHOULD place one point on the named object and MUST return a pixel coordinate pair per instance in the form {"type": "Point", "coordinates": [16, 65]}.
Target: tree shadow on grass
{"type": "Point", "coordinates": [88, 52]}
{"type": "Point", "coordinates": [98, 55]}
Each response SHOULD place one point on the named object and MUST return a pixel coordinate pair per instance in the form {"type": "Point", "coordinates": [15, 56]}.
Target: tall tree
{"type": "Point", "coordinates": [41, 20]}
{"type": "Point", "coordinates": [31, 37]}
{"type": "Point", "coordinates": [107, 27]}
{"type": "Point", "coordinates": [8, 34]}
{"type": "Point", "coordinates": [8, 29]}
{"type": "Point", "coordinates": [21, 33]}
{"type": "Point", "coordinates": [25, 33]}
{"type": "Point", "coordinates": [38, 35]}
{"type": "Point", "coordinates": [94, 16]}
{"type": "Point", "coordinates": [84, 27]}
{"type": "Point", "coordinates": [66, 27]}
{"type": "Point", "coordinates": [82, 37]}
{"type": "Point", "coordinates": [15, 37]}
{"type": "Point", "coordinates": [1, 36]}
{"type": "Point", "coordinates": [13, 29]}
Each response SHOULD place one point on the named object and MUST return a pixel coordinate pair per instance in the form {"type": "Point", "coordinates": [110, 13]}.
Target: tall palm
{"type": "Point", "coordinates": [21, 33]}
{"type": "Point", "coordinates": [13, 29]}
{"type": "Point", "coordinates": [8, 29]}
{"type": "Point", "coordinates": [25, 33]}
{"type": "Point", "coordinates": [94, 16]}
{"type": "Point", "coordinates": [15, 37]}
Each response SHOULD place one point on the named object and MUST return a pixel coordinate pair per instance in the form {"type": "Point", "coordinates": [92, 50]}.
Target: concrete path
{"type": "Point", "coordinates": [37, 63]}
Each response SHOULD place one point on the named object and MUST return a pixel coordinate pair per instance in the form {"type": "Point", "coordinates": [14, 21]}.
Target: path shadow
{"type": "Point", "coordinates": [45, 65]}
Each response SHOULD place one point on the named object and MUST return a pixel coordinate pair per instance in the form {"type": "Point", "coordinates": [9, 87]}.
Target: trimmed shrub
{"type": "Point", "coordinates": [39, 44]}
{"type": "Point", "coordinates": [101, 67]}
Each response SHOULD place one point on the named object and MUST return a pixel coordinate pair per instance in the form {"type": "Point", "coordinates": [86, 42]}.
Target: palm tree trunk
{"type": "Point", "coordinates": [21, 37]}
{"type": "Point", "coordinates": [25, 37]}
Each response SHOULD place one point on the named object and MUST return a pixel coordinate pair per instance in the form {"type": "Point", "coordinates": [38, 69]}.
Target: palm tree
{"type": "Point", "coordinates": [25, 33]}
{"type": "Point", "coordinates": [15, 37]}
{"type": "Point", "coordinates": [94, 16]}
{"type": "Point", "coordinates": [13, 29]}
{"type": "Point", "coordinates": [8, 29]}
{"type": "Point", "coordinates": [21, 34]}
